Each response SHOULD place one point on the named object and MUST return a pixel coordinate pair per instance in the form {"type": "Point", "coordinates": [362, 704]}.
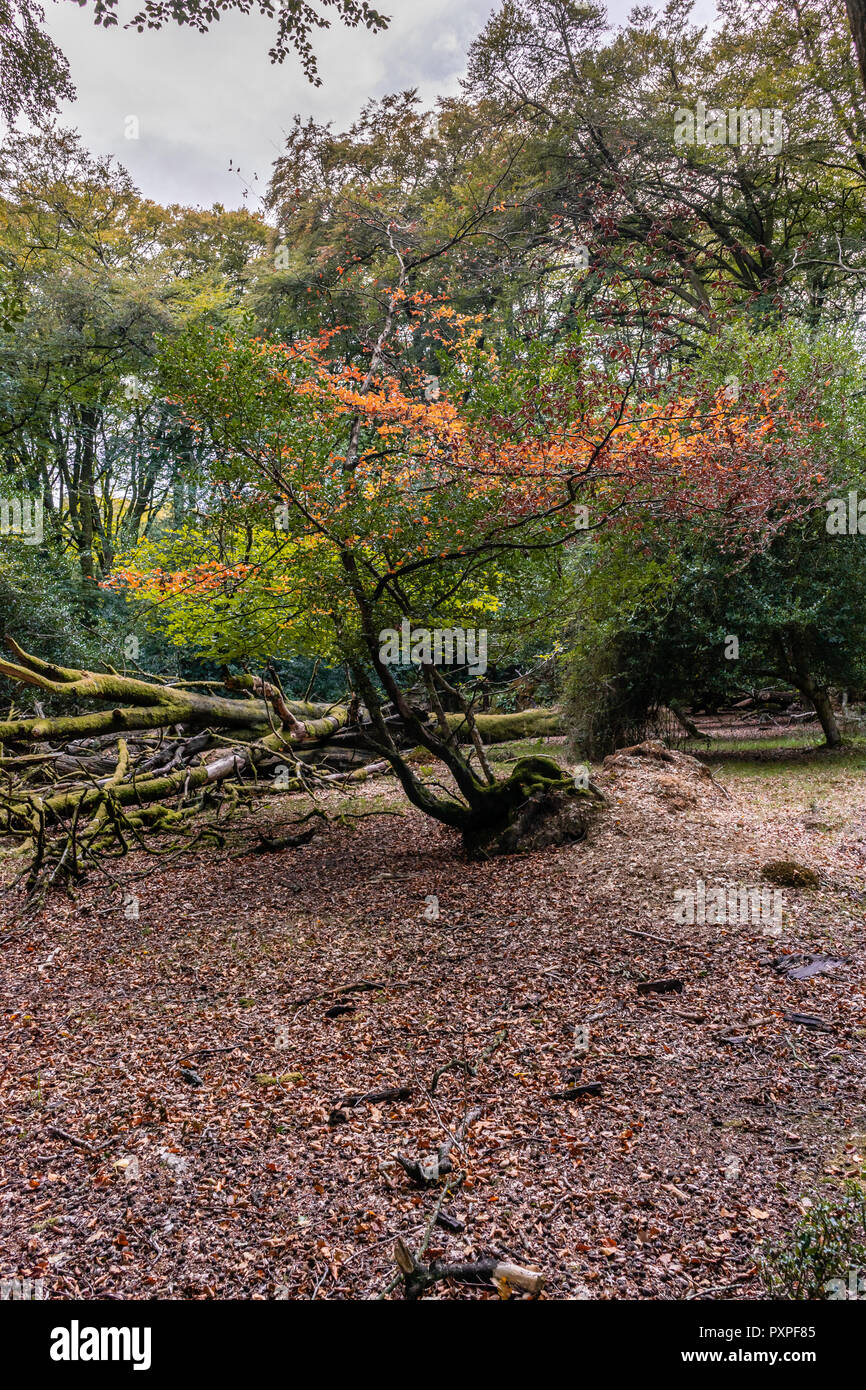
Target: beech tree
{"type": "Point", "coordinates": [346, 501]}
{"type": "Point", "coordinates": [724, 216]}
{"type": "Point", "coordinates": [671, 617]}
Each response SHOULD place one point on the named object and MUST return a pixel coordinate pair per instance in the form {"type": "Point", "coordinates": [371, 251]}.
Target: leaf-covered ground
{"type": "Point", "coordinates": [122, 1177]}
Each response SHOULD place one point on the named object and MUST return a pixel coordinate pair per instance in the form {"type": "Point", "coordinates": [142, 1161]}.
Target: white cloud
{"type": "Point", "coordinates": [203, 100]}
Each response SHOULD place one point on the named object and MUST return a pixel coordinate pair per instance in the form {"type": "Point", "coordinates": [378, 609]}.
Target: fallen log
{"type": "Point", "coordinates": [503, 728]}
{"type": "Point", "coordinates": [588, 1088]}
{"type": "Point", "coordinates": [504, 1276]}
{"type": "Point", "coordinates": [138, 704]}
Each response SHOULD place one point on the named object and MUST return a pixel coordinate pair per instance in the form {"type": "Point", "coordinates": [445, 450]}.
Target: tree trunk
{"type": "Point", "coordinates": [818, 695]}
{"type": "Point", "coordinates": [824, 710]}
{"type": "Point", "coordinates": [683, 720]}
{"type": "Point", "coordinates": [537, 806]}
{"type": "Point", "coordinates": [857, 21]}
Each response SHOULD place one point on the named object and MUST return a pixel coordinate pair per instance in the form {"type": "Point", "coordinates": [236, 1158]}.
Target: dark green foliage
{"type": "Point", "coordinates": [40, 605]}
{"type": "Point", "coordinates": [792, 615]}
{"type": "Point", "coordinates": [823, 1248]}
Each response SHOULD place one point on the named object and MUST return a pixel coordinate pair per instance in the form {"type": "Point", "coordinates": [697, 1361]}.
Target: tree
{"type": "Point", "coordinates": [98, 274]}
{"type": "Point", "coordinates": [568, 176]}
{"type": "Point", "coordinates": [344, 506]}
{"type": "Point", "coordinates": [789, 617]}
{"type": "Point", "coordinates": [672, 618]}
{"type": "Point", "coordinates": [34, 75]}
{"type": "Point", "coordinates": [857, 19]}
{"type": "Point", "coordinates": [709, 214]}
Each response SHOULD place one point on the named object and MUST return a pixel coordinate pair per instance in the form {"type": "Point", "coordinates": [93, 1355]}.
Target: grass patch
{"type": "Point", "coordinates": [799, 749]}
{"type": "Point", "coordinates": [527, 748]}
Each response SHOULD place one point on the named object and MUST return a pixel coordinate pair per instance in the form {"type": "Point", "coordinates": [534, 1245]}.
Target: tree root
{"type": "Point", "coordinates": [537, 806]}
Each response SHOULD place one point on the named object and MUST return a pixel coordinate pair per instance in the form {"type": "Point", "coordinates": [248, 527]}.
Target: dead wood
{"type": "Point", "coordinates": [506, 1277]}
{"type": "Point", "coordinates": [428, 1174]}
{"type": "Point", "coordinates": [670, 986]}
{"type": "Point", "coordinates": [588, 1088]}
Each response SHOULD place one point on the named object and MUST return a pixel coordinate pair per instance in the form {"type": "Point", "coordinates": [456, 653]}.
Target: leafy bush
{"type": "Point", "coordinates": [40, 606]}
{"type": "Point", "coordinates": [611, 692]}
{"type": "Point", "coordinates": [603, 712]}
{"type": "Point", "coordinates": [828, 1242]}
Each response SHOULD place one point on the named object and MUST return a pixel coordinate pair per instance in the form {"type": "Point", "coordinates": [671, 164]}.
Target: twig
{"type": "Point", "coordinates": [79, 1143]}
{"type": "Point", "coordinates": [663, 940]}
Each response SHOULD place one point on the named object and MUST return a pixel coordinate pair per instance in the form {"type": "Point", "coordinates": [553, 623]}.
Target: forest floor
{"type": "Point", "coordinates": [171, 1085]}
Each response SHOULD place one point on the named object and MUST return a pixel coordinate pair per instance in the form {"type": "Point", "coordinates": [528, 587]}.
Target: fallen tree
{"type": "Point", "coordinates": [78, 787]}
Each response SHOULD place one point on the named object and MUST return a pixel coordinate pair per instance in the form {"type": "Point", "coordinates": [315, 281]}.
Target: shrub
{"type": "Point", "coordinates": [813, 1260]}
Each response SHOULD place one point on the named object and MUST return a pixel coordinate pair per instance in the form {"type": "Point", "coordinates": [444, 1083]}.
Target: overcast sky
{"type": "Point", "coordinates": [202, 100]}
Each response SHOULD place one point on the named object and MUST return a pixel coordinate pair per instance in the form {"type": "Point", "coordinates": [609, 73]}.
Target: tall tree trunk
{"type": "Point", "coordinates": [857, 20]}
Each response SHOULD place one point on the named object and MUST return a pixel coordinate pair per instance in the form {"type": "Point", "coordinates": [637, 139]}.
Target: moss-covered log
{"type": "Point", "coordinates": [503, 728]}
{"type": "Point", "coordinates": [507, 728]}
{"type": "Point", "coordinates": [61, 810]}
{"type": "Point", "coordinates": [141, 704]}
